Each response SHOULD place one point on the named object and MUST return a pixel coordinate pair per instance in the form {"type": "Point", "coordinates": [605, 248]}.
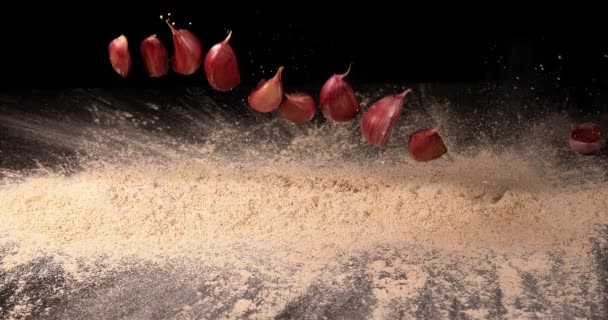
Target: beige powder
{"type": "Point", "coordinates": [489, 201]}
{"type": "Point", "coordinates": [305, 211]}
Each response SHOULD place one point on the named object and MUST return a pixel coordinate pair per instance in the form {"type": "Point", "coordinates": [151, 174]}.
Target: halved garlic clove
{"type": "Point", "coordinates": [426, 145]}
{"type": "Point", "coordinates": [298, 107]}
{"type": "Point", "coordinates": [120, 58]}
{"type": "Point", "coordinates": [221, 66]}
{"type": "Point", "coordinates": [188, 51]}
{"type": "Point", "coordinates": [268, 94]}
{"type": "Point", "coordinates": [586, 138]}
{"type": "Point", "coordinates": [154, 54]}
{"type": "Point", "coordinates": [378, 121]}
{"type": "Point", "coordinates": [337, 99]}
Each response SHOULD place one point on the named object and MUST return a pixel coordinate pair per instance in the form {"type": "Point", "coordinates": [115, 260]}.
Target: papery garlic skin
{"type": "Point", "coordinates": [298, 107]}
{"type": "Point", "coordinates": [426, 145]}
{"type": "Point", "coordinates": [268, 94]}
{"type": "Point", "coordinates": [378, 120]}
{"type": "Point", "coordinates": [188, 51]}
{"type": "Point", "coordinates": [120, 58]}
{"type": "Point", "coordinates": [586, 138]}
{"type": "Point", "coordinates": [154, 54]}
{"type": "Point", "coordinates": [337, 99]}
{"type": "Point", "coordinates": [221, 66]}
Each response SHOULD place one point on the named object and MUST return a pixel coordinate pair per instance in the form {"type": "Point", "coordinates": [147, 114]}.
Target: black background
{"type": "Point", "coordinates": [64, 44]}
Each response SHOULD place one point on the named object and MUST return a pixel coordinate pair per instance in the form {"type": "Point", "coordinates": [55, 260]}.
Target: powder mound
{"type": "Point", "coordinates": [487, 201]}
{"type": "Point", "coordinates": [160, 202]}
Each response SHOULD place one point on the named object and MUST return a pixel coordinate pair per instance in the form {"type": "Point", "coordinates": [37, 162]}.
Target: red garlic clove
{"type": "Point", "coordinates": [338, 102]}
{"type": "Point", "coordinates": [154, 54]}
{"type": "Point", "coordinates": [426, 145]}
{"type": "Point", "coordinates": [298, 107]}
{"type": "Point", "coordinates": [120, 56]}
{"type": "Point", "coordinates": [188, 51]}
{"type": "Point", "coordinates": [221, 66]}
{"type": "Point", "coordinates": [586, 138]}
{"type": "Point", "coordinates": [378, 121]}
{"type": "Point", "coordinates": [268, 94]}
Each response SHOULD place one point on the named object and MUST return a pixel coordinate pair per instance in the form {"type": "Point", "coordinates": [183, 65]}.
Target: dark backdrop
{"type": "Point", "coordinates": [64, 44]}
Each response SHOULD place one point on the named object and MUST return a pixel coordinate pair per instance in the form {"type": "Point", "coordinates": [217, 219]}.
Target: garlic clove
{"type": "Point", "coordinates": [120, 58]}
{"type": "Point", "coordinates": [586, 138]}
{"type": "Point", "coordinates": [298, 107]}
{"type": "Point", "coordinates": [426, 145]}
{"type": "Point", "coordinates": [221, 66]}
{"type": "Point", "coordinates": [188, 51]}
{"type": "Point", "coordinates": [154, 54]}
{"type": "Point", "coordinates": [337, 99]}
{"type": "Point", "coordinates": [268, 94]}
{"type": "Point", "coordinates": [378, 121]}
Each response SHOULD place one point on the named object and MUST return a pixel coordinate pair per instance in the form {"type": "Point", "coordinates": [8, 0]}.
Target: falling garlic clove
{"type": "Point", "coordinates": [298, 107]}
{"type": "Point", "coordinates": [586, 138]}
{"type": "Point", "coordinates": [268, 94]}
{"type": "Point", "coordinates": [337, 98]}
{"type": "Point", "coordinates": [188, 51]}
{"type": "Point", "coordinates": [120, 58]}
{"type": "Point", "coordinates": [154, 54]}
{"type": "Point", "coordinates": [378, 121]}
{"type": "Point", "coordinates": [426, 145]}
{"type": "Point", "coordinates": [221, 66]}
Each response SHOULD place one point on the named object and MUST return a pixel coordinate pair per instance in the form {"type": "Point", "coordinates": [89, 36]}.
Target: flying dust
{"type": "Point", "coordinates": [178, 184]}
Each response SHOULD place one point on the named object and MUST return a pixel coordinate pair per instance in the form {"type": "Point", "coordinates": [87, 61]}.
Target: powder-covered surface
{"type": "Point", "coordinates": [181, 212]}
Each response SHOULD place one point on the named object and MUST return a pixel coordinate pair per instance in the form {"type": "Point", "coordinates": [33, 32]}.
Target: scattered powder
{"type": "Point", "coordinates": [489, 201]}
{"type": "Point", "coordinates": [298, 218]}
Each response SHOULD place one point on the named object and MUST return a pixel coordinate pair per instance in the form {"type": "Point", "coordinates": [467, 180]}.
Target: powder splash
{"type": "Point", "coordinates": [263, 213]}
